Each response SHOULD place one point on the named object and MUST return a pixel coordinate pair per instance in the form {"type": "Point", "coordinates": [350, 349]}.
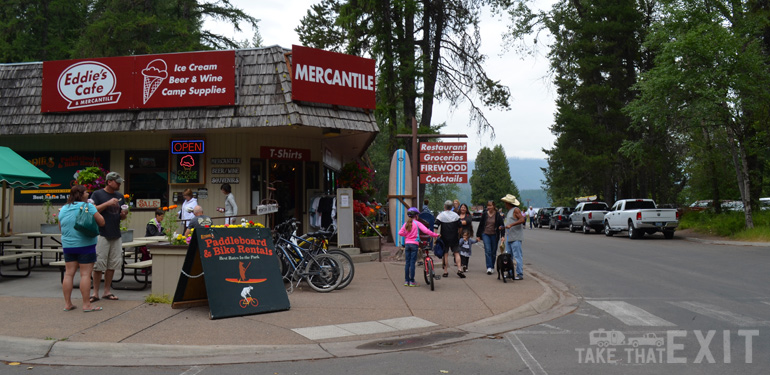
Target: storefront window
{"type": "Point", "coordinates": [330, 181]}
{"type": "Point", "coordinates": [311, 175]}
{"type": "Point", "coordinates": [147, 178]}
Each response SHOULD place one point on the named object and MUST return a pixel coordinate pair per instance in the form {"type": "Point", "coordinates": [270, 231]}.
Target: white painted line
{"type": "Point", "coordinates": [366, 328]}
{"type": "Point", "coordinates": [766, 303]}
{"type": "Point", "coordinates": [322, 332]}
{"type": "Point", "coordinates": [409, 322]}
{"type": "Point", "coordinates": [715, 312]}
{"type": "Point", "coordinates": [526, 356]}
{"type": "Point", "coordinates": [630, 314]}
{"type": "Point", "coordinates": [363, 328]}
{"type": "Point", "coordinates": [193, 370]}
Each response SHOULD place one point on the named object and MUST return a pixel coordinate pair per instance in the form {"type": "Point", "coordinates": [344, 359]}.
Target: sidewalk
{"type": "Point", "coordinates": [375, 313]}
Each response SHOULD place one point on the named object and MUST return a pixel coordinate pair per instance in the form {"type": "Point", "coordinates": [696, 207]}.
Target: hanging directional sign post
{"type": "Point", "coordinates": [443, 163]}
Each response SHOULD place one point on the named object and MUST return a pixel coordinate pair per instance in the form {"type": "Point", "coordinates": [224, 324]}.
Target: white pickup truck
{"type": "Point", "coordinates": [588, 215]}
{"type": "Point", "coordinates": [639, 216]}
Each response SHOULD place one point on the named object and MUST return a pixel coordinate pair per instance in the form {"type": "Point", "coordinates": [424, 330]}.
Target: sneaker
{"type": "Point", "coordinates": [413, 284]}
{"type": "Point", "coordinates": [489, 271]}
{"type": "Point", "coordinates": [406, 283]}
{"type": "Point", "coordinates": [519, 278]}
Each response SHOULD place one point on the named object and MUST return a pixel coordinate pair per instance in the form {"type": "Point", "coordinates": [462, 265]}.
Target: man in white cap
{"type": "Point", "coordinates": [109, 248]}
{"type": "Point", "coordinates": [514, 233]}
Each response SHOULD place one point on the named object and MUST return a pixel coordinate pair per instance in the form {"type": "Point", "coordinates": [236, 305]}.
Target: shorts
{"type": "Point", "coordinates": [109, 254]}
{"type": "Point", "coordinates": [80, 258]}
{"type": "Point", "coordinates": [456, 248]}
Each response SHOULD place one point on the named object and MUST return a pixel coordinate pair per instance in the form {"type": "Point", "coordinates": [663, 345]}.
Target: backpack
{"type": "Point", "coordinates": [438, 248]}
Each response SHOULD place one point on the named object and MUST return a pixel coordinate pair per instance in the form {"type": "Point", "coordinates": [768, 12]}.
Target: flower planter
{"type": "Point", "coordinates": [49, 228]}
{"type": "Point", "coordinates": [369, 244]}
{"type": "Point", "coordinates": [127, 235]}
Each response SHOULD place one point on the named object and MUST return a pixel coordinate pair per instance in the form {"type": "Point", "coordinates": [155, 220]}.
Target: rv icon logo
{"type": "Point", "coordinates": [612, 346]}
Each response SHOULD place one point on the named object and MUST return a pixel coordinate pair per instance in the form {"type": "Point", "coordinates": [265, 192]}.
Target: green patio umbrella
{"type": "Point", "coordinates": [15, 171]}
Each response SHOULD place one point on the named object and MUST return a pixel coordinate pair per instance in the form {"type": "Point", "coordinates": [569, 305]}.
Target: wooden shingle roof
{"type": "Point", "coordinates": [263, 98]}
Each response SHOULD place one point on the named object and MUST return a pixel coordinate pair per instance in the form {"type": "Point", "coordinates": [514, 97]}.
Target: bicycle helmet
{"type": "Point", "coordinates": [412, 212]}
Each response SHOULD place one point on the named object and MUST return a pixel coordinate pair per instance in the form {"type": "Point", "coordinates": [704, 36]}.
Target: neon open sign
{"type": "Point", "coordinates": [187, 147]}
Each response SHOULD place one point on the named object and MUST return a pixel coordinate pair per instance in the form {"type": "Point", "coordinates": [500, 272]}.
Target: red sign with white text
{"type": "Point", "coordinates": [194, 79]}
{"type": "Point", "coordinates": [438, 168]}
{"type": "Point", "coordinates": [449, 157]}
{"type": "Point", "coordinates": [333, 78]}
{"type": "Point", "coordinates": [443, 147]}
{"type": "Point", "coordinates": [283, 153]}
{"type": "Point", "coordinates": [443, 178]}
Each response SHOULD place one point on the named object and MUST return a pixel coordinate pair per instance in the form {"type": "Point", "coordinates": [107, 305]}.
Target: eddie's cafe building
{"type": "Point", "coordinates": [169, 122]}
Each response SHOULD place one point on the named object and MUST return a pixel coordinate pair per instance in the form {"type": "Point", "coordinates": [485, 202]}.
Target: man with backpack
{"type": "Point", "coordinates": [448, 223]}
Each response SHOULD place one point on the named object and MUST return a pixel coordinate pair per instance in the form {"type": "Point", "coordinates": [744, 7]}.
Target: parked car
{"type": "Point", "coordinates": [476, 214]}
{"type": "Point", "coordinates": [640, 216]}
{"type": "Point", "coordinates": [543, 217]}
{"type": "Point", "coordinates": [588, 215]}
{"type": "Point", "coordinates": [560, 218]}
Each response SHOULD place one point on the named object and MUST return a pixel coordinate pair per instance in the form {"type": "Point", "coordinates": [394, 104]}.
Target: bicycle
{"type": "Point", "coordinates": [430, 275]}
{"type": "Point", "coordinates": [322, 272]}
{"type": "Point", "coordinates": [318, 243]}
{"type": "Point", "coordinates": [248, 301]}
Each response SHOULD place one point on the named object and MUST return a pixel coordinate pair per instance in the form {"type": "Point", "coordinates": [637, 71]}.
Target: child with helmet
{"type": "Point", "coordinates": [411, 231]}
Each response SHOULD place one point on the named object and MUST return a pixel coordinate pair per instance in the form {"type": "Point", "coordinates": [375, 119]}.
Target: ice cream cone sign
{"type": "Point", "coordinates": [154, 74]}
{"type": "Point", "coordinates": [187, 162]}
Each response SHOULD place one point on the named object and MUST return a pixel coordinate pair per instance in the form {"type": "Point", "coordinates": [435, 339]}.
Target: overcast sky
{"type": "Point", "coordinates": [522, 130]}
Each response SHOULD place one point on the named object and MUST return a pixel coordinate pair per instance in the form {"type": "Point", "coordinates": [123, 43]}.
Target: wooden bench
{"type": "Point", "coordinates": [18, 257]}
{"type": "Point", "coordinates": [57, 252]}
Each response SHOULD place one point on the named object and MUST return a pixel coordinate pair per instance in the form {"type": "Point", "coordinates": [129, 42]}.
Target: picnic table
{"type": "Point", "coordinates": [40, 237]}
{"type": "Point", "coordinates": [141, 268]}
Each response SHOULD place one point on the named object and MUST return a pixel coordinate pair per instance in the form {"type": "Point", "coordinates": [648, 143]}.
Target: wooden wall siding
{"type": "Point", "coordinates": [263, 95]}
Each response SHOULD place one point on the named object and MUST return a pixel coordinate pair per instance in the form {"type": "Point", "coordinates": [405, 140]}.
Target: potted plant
{"type": "Point", "coordinates": [126, 235]}
{"type": "Point", "coordinates": [51, 224]}
{"type": "Point", "coordinates": [358, 177]}
{"type": "Point", "coordinates": [369, 240]}
{"type": "Point", "coordinates": [93, 178]}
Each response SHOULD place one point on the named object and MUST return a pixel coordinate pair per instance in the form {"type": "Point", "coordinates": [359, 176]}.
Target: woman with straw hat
{"type": "Point", "coordinates": [514, 233]}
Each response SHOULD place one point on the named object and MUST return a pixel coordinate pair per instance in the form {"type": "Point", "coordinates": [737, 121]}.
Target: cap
{"type": "Point", "coordinates": [114, 176]}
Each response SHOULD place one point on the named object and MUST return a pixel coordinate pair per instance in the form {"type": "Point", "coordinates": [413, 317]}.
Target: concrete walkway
{"type": "Point", "coordinates": [374, 314]}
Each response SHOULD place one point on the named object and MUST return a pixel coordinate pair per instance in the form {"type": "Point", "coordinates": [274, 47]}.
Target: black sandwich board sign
{"type": "Point", "coordinates": [240, 271]}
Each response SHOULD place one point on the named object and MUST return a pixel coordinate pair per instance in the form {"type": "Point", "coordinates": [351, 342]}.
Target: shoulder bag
{"type": "Point", "coordinates": [85, 223]}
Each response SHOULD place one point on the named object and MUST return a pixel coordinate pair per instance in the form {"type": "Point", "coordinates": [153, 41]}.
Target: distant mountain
{"type": "Point", "coordinates": [527, 175]}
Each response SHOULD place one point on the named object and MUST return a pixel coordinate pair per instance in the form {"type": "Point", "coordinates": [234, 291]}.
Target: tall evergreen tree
{"type": "Point", "coordinates": [596, 56]}
{"type": "Point", "coordinates": [491, 179]}
{"type": "Point", "coordinates": [709, 86]}
{"type": "Point", "coordinates": [40, 30]}
{"type": "Point", "coordinates": [427, 50]}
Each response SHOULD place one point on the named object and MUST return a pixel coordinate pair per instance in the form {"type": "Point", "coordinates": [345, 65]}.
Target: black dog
{"type": "Point", "coordinates": [504, 266]}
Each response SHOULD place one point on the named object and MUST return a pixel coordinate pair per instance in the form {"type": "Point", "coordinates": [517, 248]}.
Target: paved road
{"type": "Point", "coordinates": [708, 305]}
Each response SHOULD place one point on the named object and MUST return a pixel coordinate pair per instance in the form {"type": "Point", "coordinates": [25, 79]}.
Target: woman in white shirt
{"type": "Point", "coordinates": [186, 210]}
{"type": "Point", "coordinates": [231, 209]}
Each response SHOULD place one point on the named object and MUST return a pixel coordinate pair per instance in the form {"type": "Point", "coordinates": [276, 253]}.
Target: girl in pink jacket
{"type": "Point", "coordinates": [411, 230]}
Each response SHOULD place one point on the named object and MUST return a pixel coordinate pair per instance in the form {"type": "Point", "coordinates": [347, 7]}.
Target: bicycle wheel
{"type": "Point", "coordinates": [323, 273]}
{"type": "Point", "coordinates": [254, 302]}
{"type": "Point", "coordinates": [428, 269]}
{"type": "Point", "coordinates": [432, 278]}
{"type": "Point", "coordinates": [346, 264]}
{"type": "Point", "coordinates": [283, 263]}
